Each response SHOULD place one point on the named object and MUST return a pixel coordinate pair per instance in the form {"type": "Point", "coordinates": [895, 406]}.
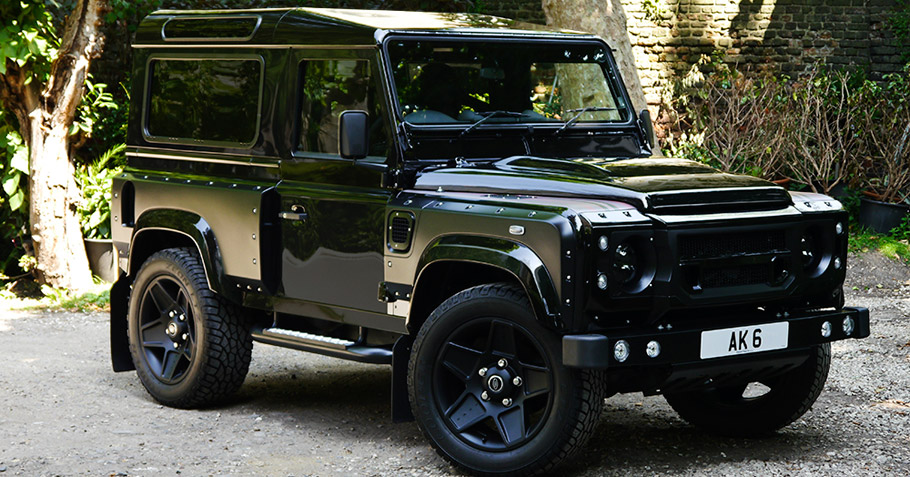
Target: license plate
{"type": "Point", "coordinates": [744, 340]}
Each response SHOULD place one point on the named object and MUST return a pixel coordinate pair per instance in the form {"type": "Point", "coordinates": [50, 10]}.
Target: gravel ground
{"type": "Point", "coordinates": [63, 412]}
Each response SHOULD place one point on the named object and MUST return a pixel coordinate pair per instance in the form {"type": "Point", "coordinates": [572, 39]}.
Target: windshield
{"type": "Point", "coordinates": [463, 81]}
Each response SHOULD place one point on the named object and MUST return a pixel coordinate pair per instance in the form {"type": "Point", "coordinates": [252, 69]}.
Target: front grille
{"type": "Point", "coordinates": [736, 276]}
{"type": "Point", "coordinates": [400, 229]}
{"type": "Point", "coordinates": [695, 247]}
{"type": "Point", "coordinates": [723, 259]}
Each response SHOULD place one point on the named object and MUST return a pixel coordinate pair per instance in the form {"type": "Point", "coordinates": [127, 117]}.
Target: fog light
{"type": "Point", "coordinates": [601, 281]}
{"type": "Point", "coordinates": [839, 228]}
{"type": "Point", "coordinates": [602, 243]}
{"type": "Point", "coordinates": [621, 350]}
{"type": "Point", "coordinates": [826, 329]}
{"type": "Point", "coordinates": [849, 326]}
{"type": "Point", "coordinates": [837, 263]}
{"type": "Point", "coordinates": [653, 349]}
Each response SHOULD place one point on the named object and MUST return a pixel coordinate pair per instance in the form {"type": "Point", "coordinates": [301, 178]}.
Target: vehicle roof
{"type": "Point", "coordinates": [319, 26]}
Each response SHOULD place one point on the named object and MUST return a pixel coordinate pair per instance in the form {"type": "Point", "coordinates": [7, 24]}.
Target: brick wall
{"type": "Point", "coordinates": [787, 36]}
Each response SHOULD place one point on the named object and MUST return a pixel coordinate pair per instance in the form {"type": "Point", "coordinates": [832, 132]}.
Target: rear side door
{"type": "Point", "coordinates": [332, 211]}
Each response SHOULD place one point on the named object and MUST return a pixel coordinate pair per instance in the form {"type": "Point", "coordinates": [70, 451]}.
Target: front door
{"type": "Point", "coordinates": [332, 212]}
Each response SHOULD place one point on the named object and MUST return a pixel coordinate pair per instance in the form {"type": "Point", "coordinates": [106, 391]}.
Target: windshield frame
{"type": "Point", "coordinates": [611, 75]}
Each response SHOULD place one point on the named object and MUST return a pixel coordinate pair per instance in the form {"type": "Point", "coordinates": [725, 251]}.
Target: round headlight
{"type": "Point", "coordinates": [625, 263]}
{"type": "Point", "coordinates": [839, 228]}
{"type": "Point", "coordinates": [809, 250]}
{"type": "Point", "coordinates": [602, 243]}
{"type": "Point", "coordinates": [826, 329]}
{"type": "Point", "coordinates": [601, 281]}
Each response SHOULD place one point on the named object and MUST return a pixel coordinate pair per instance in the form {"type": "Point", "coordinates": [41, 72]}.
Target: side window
{"type": "Point", "coordinates": [330, 87]}
{"type": "Point", "coordinates": [204, 100]}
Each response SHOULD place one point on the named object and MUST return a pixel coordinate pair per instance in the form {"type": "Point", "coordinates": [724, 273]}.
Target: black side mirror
{"type": "Point", "coordinates": [644, 117]}
{"type": "Point", "coordinates": [354, 134]}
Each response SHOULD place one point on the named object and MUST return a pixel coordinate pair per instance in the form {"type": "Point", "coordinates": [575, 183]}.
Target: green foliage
{"type": "Point", "coordinates": [95, 181]}
{"type": "Point", "coordinates": [899, 21]}
{"type": "Point", "coordinates": [27, 35]}
{"type": "Point", "coordinates": [95, 98]}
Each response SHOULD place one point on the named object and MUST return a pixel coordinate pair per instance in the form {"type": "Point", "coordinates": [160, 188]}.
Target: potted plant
{"type": "Point", "coordinates": [885, 137]}
{"type": "Point", "coordinates": [95, 181]}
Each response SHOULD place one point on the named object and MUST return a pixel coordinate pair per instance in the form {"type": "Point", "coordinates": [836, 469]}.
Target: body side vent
{"type": "Point", "coordinates": [400, 230]}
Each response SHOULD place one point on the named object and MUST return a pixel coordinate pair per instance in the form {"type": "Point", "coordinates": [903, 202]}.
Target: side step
{"type": "Point", "coordinates": [326, 345]}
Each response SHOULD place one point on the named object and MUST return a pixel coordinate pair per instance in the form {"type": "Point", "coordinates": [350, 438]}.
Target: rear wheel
{"type": "Point", "coordinates": [756, 409]}
{"type": "Point", "coordinates": [488, 389]}
{"type": "Point", "coordinates": [189, 345]}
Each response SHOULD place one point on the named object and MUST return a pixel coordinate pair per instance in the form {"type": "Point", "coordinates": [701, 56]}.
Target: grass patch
{"type": "Point", "coordinates": [98, 298]}
{"type": "Point", "coordinates": [890, 245]}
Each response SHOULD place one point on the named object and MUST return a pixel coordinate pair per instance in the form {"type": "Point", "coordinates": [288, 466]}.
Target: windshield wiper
{"type": "Point", "coordinates": [579, 112]}
{"type": "Point", "coordinates": [490, 115]}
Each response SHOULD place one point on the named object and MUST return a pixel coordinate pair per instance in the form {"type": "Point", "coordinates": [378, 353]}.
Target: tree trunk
{"type": "Point", "coordinates": [607, 19]}
{"type": "Point", "coordinates": [44, 119]}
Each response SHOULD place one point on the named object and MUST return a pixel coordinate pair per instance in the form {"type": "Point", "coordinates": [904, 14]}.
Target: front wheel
{"type": "Point", "coordinates": [488, 389]}
{"type": "Point", "coordinates": [757, 409]}
{"type": "Point", "coordinates": [190, 346]}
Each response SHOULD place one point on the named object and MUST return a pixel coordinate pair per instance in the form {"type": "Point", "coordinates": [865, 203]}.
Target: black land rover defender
{"type": "Point", "coordinates": [470, 200]}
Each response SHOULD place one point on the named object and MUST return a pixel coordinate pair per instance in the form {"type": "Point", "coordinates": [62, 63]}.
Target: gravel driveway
{"type": "Point", "coordinates": [63, 412]}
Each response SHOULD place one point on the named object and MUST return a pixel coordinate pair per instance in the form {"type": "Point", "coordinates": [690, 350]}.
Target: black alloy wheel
{"type": "Point", "coordinates": [501, 391]}
{"type": "Point", "coordinates": [757, 409]}
{"type": "Point", "coordinates": [167, 329]}
{"type": "Point", "coordinates": [488, 390]}
{"type": "Point", "coordinates": [190, 347]}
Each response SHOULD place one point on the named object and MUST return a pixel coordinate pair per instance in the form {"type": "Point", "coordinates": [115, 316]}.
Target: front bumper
{"type": "Point", "coordinates": [680, 345]}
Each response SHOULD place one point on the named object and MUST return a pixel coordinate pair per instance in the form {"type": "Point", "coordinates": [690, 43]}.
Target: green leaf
{"type": "Point", "coordinates": [19, 161]}
{"type": "Point", "coordinates": [11, 183]}
{"type": "Point", "coordinates": [16, 200]}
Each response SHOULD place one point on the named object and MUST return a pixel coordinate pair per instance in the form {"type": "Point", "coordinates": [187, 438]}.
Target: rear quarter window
{"type": "Point", "coordinates": [204, 100]}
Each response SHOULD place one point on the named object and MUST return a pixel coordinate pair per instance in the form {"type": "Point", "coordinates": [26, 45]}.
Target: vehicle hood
{"type": "Point", "coordinates": [651, 185]}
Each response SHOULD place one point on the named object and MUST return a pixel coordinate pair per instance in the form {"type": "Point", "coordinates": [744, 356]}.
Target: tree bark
{"type": "Point", "coordinates": [45, 118]}
{"type": "Point", "coordinates": [607, 19]}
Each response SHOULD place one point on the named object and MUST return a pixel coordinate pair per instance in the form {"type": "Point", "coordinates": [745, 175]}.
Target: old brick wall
{"type": "Point", "coordinates": [786, 36]}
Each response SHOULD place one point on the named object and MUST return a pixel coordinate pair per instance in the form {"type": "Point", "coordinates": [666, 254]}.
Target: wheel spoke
{"type": "Point", "coordinates": [163, 300]}
{"type": "Point", "coordinates": [154, 331]}
{"type": "Point", "coordinates": [511, 425]}
{"type": "Point", "coordinates": [461, 360]}
{"type": "Point", "coordinates": [466, 412]}
{"type": "Point", "coordinates": [152, 324]}
{"type": "Point", "coordinates": [536, 380]}
{"type": "Point", "coordinates": [153, 344]}
{"type": "Point", "coordinates": [169, 367]}
{"type": "Point", "coordinates": [502, 339]}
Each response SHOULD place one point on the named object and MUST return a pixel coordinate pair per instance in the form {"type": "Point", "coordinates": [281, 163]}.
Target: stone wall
{"type": "Point", "coordinates": [786, 36]}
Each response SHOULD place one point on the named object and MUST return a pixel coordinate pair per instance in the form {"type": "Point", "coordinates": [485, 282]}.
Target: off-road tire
{"type": "Point", "coordinates": [214, 358]}
{"type": "Point", "coordinates": [574, 399]}
{"type": "Point", "coordinates": [725, 411]}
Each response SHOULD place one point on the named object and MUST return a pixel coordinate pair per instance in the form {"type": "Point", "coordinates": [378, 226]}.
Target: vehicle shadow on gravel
{"type": "Point", "coordinates": [653, 439]}
{"type": "Point", "coordinates": [351, 401]}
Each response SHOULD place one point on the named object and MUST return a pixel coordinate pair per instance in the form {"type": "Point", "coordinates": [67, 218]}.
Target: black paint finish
{"type": "Point", "coordinates": [303, 233]}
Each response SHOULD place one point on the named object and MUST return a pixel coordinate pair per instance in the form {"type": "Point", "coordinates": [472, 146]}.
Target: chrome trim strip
{"type": "Point", "coordinates": [200, 159]}
{"type": "Point", "coordinates": [680, 219]}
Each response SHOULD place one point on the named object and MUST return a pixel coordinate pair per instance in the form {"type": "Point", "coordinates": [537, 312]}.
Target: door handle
{"type": "Point", "coordinates": [297, 213]}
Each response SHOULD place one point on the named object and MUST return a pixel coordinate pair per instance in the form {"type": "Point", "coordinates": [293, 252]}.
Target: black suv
{"type": "Point", "coordinates": [470, 200]}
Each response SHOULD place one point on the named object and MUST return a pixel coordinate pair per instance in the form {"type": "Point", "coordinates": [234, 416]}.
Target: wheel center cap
{"type": "Point", "coordinates": [172, 329]}
{"type": "Point", "coordinates": [495, 383]}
